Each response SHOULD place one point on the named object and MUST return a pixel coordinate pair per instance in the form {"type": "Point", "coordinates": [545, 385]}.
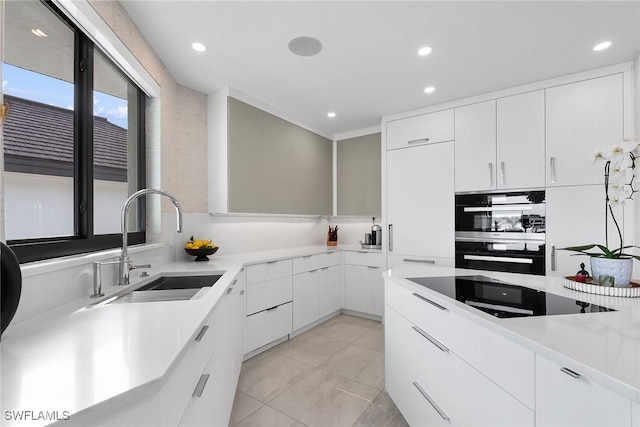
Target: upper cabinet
{"type": "Point", "coordinates": [422, 129]}
{"type": "Point", "coordinates": [359, 176]}
{"type": "Point", "coordinates": [475, 147]}
{"type": "Point", "coordinates": [260, 163]}
{"type": "Point", "coordinates": [500, 143]}
{"type": "Point", "coordinates": [582, 117]}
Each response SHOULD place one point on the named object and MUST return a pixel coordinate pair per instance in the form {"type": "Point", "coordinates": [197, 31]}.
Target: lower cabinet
{"type": "Point", "coordinates": [564, 397]}
{"type": "Point", "coordinates": [316, 292]}
{"type": "Point", "coordinates": [363, 282]}
{"type": "Point", "coordinates": [213, 394]}
{"type": "Point", "coordinates": [432, 386]}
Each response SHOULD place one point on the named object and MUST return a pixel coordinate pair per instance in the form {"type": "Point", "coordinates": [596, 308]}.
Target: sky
{"type": "Point", "coordinates": [37, 87]}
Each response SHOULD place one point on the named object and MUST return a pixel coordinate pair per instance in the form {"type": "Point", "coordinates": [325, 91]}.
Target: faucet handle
{"type": "Point", "coordinates": [133, 266]}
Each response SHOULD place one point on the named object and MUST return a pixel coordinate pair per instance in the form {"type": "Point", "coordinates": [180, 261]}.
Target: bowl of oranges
{"type": "Point", "coordinates": [200, 248]}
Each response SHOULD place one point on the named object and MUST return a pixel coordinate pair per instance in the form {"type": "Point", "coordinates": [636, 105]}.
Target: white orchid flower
{"type": "Point", "coordinates": [597, 155]}
{"type": "Point", "coordinates": [630, 146]}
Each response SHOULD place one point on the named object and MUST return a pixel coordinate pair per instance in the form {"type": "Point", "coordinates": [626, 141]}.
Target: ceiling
{"type": "Point", "coordinates": [368, 66]}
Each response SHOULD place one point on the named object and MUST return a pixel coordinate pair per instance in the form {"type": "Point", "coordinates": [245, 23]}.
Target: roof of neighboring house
{"type": "Point", "coordinates": [41, 131]}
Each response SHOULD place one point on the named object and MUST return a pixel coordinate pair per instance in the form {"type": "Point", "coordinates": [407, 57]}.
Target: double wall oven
{"type": "Point", "coordinates": [501, 231]}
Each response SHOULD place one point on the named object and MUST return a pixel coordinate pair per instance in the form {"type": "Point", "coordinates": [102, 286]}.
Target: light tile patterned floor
{"type": "Point", "coordinates": [330, 376]}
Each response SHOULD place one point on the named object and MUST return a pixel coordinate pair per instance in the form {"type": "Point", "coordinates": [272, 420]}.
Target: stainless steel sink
{"type": "Point", "coordinates": [168, 288]}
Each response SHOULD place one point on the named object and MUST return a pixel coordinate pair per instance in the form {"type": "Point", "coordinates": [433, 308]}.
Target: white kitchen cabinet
{"type": "Point", "coordinates": [213, 395]}
{"type": "Point", "coordinates": [317, 292]}
{"type": "Point", "coordinates": [635, 414]}
{"type": "Point", "coordinates": [363, 283]}
{"type": "Point", "coordinates": [580, 118]}
{"type": "Point", "coordinates": [422, 129]}
{"type": "Point", "coordinates": [576, 216]}
{"type": "Point", "coordinates": [433, 386]}
{"type": "Point", "coordinates": [268, 303]}
{"type": "Point", "coordinates": [475, 147]}
{"type": "Point", "coordinates": [305, 298]}
{"type": "Point", "coordinates": [420, 201]}
{"type": "Point", "coordinates": [565, 397]}
{"type": "Point", "coordinates": [520, 141]}
{"type": "Point", "coordinates": [394, 261]}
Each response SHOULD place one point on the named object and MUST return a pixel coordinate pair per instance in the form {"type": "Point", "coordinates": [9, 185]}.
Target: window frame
{"type": "Point", "coordinates": [84, 240]}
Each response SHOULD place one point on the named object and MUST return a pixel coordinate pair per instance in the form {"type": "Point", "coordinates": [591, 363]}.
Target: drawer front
{"type": "Point", "coordinates": [370, 259]}
{"type": "Point", "coordinates": [509, 365]}
{"type": "Point", "coordinates": [422, 129]}
{"type": "Point", "coordinates": [269, 270]}
{"type": "Point", "coordinates": [267, 326]}
{"type": "Point", "coordinates": [395, 260]}
{"type": "Point", "coordinates": [262, 296]}
{"type": "Point", "coordinates": [447, 383]}
{"type": "Point", "coordinates": [313, 262]}
{"type": "Point", "coordinates": [566, 398]}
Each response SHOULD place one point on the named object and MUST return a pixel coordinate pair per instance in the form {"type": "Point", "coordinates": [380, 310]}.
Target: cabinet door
{"type": "Point", "coordinates": [420, 200]}
{"type": "Point", "coordinates": [359, 176]}
{"type": "Point", "coordinates": [565, 398]}
{"type": "Point", "coordinates": [580, 118]}
{"type": "Point", "coordinates": [277, 164]}
{"type": "Point", "coordinates": [520, 141]}
{"type": "Point", "coordinates": [305, 298]}
{"type": "Point", "coordinates": [363, 289]}
{"type": "Point", "coordinates": [576, 216]}
{"type": "Point", "coordinates": [330, 290]}
{"type": "Point", "coordinates": [423, 129]}
{"type": "Point", "coordinates": [311, 186]}
{"type": "Point", "coordinates": [475, 147]}
{"type": "Point", "coordinates": [245, 173]}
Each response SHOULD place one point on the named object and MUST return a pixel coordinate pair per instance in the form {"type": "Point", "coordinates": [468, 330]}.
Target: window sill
{"type": "Point", "coordinates": [48, 266]}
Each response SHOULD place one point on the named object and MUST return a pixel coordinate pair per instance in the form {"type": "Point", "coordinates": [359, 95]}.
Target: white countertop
{"type": "Point", "coordinates": [604, 347]}
{"type": "Point", "coordinates": [80, 357]}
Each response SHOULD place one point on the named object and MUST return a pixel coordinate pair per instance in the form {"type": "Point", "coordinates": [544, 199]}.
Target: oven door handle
{"type": "Point", "coordinates": [498, 208]}
{"type": "Point", "coordinates": [505, 241]}
{"type": "Point", "coordinates": [498, 259]}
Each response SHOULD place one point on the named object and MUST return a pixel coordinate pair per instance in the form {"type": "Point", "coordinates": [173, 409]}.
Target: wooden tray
{"type": "Point", "coordinates": [590, 287]}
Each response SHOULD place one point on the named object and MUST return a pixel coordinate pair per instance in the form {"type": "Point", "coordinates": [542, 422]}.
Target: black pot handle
{"type": "Point", "coordinates": [10, 285]}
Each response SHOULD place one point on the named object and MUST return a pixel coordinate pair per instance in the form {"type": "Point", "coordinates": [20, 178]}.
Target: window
{"type": "Point", "coordinates": [73, 138]}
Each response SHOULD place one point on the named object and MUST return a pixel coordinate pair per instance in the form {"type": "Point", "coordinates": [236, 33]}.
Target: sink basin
{"type": "Point", "coordinates": [169, 288]}
{"type": "Point", "coordinates": [180, 282]}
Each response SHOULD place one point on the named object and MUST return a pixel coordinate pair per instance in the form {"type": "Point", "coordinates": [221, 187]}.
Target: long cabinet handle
{"type": "Point", "coordinates": [201, 333]}
{"type": "Point", "coordinates": [571, 373]}
{"type": "Point", "coordinates": [490, 174]}
{"type": "Point", "coordinates": [390, 237]}
{"type": "Point", "coordinates": [553, 258]}
{"type": "Point", "coordinates": [552, 170]}
{"type": "Point", "coordinates": [433, 403]}
{"type": "Point", "coordinates": [501, 173]}
{"type": "Point", "coordinates": [416, 141]}
{"type": "Point", "coordinates": [422, 261]}
{"type": "Point", "coordinates": [435, 304]}
{"type": "Point", "coordinates": [431, 339]}
{"type": "Point", "coordinates": [202, 383]}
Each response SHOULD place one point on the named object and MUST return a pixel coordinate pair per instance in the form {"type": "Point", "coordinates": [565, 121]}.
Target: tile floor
{"type": "Point", "coordinates": [330, 376]}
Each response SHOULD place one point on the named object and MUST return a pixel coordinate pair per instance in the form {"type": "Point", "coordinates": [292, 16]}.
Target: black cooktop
{"type": "Point", "coordinates": [503, 299]}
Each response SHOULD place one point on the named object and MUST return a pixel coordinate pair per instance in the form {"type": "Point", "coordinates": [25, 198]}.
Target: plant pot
{"type": "Point", "coordinates": [618, 268]}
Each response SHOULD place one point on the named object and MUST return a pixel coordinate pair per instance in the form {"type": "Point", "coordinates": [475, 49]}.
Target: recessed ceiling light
{"type": "Point", "coordinates": [424, 51]}
{"type": "Point", "coordinates": [38, 32]}
{"type": "Point", "coordinates": [305, 46]}
{"type": "Point", "coordinates": [429, 89]}
{"type": "Point", "coordinates": [331, 114]}
{"type": "Point", "coordinates": [198, 47]}
{"type": "Point", "coordinates": [602, 46]}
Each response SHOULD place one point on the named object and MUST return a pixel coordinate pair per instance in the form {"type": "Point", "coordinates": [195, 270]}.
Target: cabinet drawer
{"type": "Point", "coordinates": [267, 271]}
{"type": "Point", "coordinates": [395, 260]}
{"type": "Point", "coordinates": [313, 262]}
{"type": "Point", "coordinates": [509, 365]}
{"type": "Point", "coordinates": [566, 398]}
{"type": "Point", "coordinates": [446, 382]}
{"type": "Point", "coordinates": [262, 296]}
{"type": "Point", "coordinates": [370, 259]}
{"type": "Point", "coordinates": [268, 325]}
{"type": "Point", "coordinates": [422, 129]}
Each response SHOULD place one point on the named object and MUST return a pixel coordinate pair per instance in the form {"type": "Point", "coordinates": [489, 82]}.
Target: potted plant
{"type": "Point", "coordinates": [621, 184]}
